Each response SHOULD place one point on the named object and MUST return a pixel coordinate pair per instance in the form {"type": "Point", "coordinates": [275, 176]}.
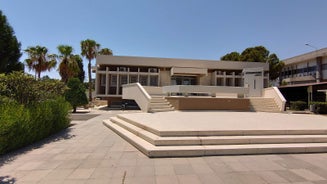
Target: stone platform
{"type": "Point", "coordinates": [201, 133]}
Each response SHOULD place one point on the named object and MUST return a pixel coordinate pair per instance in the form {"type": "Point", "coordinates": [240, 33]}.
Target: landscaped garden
{"type": "Point", "coordinates": [30, 109]}
{"type": "Point", "coordinates": [34, 107]}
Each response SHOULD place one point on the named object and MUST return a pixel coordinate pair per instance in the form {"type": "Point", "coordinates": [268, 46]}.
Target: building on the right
{"type": "Point", "coordinates": [306, 68]}
{"type": "Point", "coordinates": [304, 76]}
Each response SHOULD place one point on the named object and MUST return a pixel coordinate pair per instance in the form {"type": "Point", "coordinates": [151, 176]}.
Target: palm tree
{"type": "Point", "coordinates": [68, 66]}
{"type": "Point", "coordinates": [89, 49]}
{"type": "Point", "coordinates": [39, 60]}
{"type": "Point", "coordinates": [105, 51]}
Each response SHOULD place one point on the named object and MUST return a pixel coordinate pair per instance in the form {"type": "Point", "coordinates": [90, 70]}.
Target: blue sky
{"type": "Point", "coordinates": [195, 29]}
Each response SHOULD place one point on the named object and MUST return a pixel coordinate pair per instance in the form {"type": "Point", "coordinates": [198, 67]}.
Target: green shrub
{"type": "Point", "coordinates": [13, 121]}
{"type": "Point", "coordinates": [26, 90]}
{"type": "Point", "coordinates": [75, 95]}
{"type": "Point", "coordinates": [30, 109]}
{"type": "Point", "coordinates": [320, 107]}
{"type": "Point", "coordinates": [298, 105]}
{"type": "Point", "coordinates": [23, 124]}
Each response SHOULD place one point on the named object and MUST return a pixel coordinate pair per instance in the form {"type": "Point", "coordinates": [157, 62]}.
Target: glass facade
{"type": "Point", "coordinates": [121, 75]}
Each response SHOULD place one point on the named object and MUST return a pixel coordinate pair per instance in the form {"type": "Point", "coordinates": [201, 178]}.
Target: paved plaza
{"type": "Point", "coordinates": [88, 152]}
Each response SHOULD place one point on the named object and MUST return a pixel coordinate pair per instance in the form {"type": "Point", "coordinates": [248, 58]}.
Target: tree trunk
{"type": "Point", "coordinates": [90, 81]}
{"type": "Point", "coordinates": [74, 109]}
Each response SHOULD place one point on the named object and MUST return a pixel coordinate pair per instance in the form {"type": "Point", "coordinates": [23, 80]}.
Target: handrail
{"type": "Point", "coordinates": [273, 92]}
{"type": "Point", "coordinates": [135, 91]}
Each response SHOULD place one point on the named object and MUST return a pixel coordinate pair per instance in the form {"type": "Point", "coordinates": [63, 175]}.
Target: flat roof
{"type": "Point", "coordinates": [171, 62]}
{"type": "Point", "coordinates": [307, 56]}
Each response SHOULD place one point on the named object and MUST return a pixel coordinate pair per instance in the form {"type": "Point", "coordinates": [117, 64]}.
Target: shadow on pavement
{"type": "Point", "coordinates": [7, 180]}
{"type": "Point", "coordinates": [82, 116]}
{"type": "Point", "coordinates": [11, 156]}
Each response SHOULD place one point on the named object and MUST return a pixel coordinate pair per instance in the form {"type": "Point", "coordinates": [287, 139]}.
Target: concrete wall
{"type": "Point", "coordinates": [112, 99]}
{"type": "Point", "coordinates": [189, 103]}
{"type": "Point", "coordinates": [205, 80]}
{"type": "Point", "coordinates": [136, 92]}
{"type": "Point", "coordinates": [164, 78]}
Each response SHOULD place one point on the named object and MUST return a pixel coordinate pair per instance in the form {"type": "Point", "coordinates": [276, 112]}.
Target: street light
{"type": "Point", "coordinates": [312, 46]}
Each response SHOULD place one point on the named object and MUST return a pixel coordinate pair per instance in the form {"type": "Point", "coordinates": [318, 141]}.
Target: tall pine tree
{"type": "Point", "coordinates": [9, 48]}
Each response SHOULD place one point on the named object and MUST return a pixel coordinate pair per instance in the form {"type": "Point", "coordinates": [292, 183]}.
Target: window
{"type": "Point", "coordinates": [143, 80]}
{"type": "Point", "coordinates": [229, 82]}
{"type": "Point", "coordinates": [123, 79]}
{"type": "Point", "coordinates": [123, 69]}
{"type": "Point", "coordinates": [219, 72]}
{"type": "Point", "coordinates": [113, 68]}
{"type": "Point", "coordinates": [153, 80]}
{"type": "Point", "coordinates": [238, 82]}
{"type": "Point", "coordinates": [324, 67]}
{"type": "Point", "coordinates": [133, 69]}
{"type": "Point", "coordinates": [143, 69]}
{"type": "Point", "coordinates": [153, 70]}
{"type": "Point", "coordinates": [132, 78]}
{"type": "Point", "coordinates": [103, 80]}
{"type": "Point", "coordinates": [113, 81]}
{"type": "Point", "coordinates": [220, 82]}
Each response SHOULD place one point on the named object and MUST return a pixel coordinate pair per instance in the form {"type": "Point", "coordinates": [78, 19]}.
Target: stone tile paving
{"type": "Point", "coordinates": [88, 152]}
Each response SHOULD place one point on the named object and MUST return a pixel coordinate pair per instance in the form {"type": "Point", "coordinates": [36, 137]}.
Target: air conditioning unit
{"type": "Point", "coordinates": [123, 69]}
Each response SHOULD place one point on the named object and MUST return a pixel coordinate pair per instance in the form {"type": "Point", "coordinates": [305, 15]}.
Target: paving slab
{"type": "Point", "coordinates": [88, 152]}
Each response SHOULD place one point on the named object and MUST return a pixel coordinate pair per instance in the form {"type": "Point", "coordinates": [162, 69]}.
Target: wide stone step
{"type": "Point", "coordinates": [157, 98]}
{"type": "Point", "coordinates": [209, 150]}
{"type": "Point", "coordinates": [263, 105]}
{"type": "Point", "coordinates": [160, 104]}
{"type": "Point", "coordinates": [164, 133]}
{"type": "Point", "coordinates": [217, 140]}
{"type": "Point", "coordinates": [161, 109]}
{"type": "Point", "coordinates": [266, 108]}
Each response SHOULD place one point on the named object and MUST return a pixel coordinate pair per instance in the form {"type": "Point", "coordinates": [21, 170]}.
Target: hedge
{"type": "Point", "coordinates": [24, 124]}
{"type": "Point", "coordinates": [298, 105]}
{"type": "Point", "coordinates": [320, 107]}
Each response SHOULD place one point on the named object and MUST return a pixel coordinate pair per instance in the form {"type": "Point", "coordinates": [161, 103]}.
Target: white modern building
{"type": "Point", "coordinates": [305, 76]}
{"type": "Point", "coordinates": [162, 84]}
{"type": "Point", "coordinates": [112, 72]}
{"type": "Point", "coordinates": [306, 68]}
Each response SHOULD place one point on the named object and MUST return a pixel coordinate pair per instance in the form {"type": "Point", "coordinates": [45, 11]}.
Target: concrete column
{"type": "Point", "coordinates": [107, 81]}
{"type": "Point", "coordinates": [318, 69]}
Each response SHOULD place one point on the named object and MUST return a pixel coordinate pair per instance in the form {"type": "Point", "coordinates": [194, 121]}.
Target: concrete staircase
{"type": "Point", "coordinates": [263, 105]}
{"type": "Point", "coordinates": [160, 104]}
{"type": "Point", "coordinates": [155, 143]}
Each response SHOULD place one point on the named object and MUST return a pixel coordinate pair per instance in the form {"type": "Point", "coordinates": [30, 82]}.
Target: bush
{"type": "Point", "coordinates": [30, 109]}
{"type": "Point", "coordinates": [21, 125]}
{"type": "Point", "coordinates": [75, 95]}
{"type": "Point", "coordinates": [320, 107]}
{"type": "Point", "coordinates": [298, 105]}
{"type": "Point", "coordinates": [24, 89]}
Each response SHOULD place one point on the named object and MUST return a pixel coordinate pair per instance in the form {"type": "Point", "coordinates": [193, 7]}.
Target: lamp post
{"type": "Point", "coordinates": [312, 46]}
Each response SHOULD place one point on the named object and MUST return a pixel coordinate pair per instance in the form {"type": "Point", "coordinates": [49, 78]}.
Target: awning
{"type": "Point", "coordinates": [188, 71]}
